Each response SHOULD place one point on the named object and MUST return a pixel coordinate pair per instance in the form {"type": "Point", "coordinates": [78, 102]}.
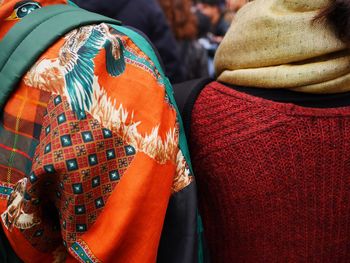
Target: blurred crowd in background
{"type": "Point", "coordinates": [198, 27]}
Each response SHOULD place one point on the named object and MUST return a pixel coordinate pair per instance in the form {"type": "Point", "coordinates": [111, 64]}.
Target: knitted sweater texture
{"type": "Point", "coordinates": [274, 178]}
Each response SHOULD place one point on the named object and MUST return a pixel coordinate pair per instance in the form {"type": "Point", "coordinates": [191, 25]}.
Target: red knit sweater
{"type": "Point", "coordinates": [273, 178]}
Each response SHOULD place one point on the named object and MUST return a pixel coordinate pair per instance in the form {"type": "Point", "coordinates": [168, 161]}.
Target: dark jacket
{"type": "Point", "coordinates": [146, 16]}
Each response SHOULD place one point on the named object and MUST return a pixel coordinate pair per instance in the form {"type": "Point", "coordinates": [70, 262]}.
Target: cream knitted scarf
{"type": "Point", "coordinates": [276, 44]}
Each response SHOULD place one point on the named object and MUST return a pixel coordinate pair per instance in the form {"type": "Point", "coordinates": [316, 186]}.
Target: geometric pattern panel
{"type": "Point", "coordinates": [76, 166]}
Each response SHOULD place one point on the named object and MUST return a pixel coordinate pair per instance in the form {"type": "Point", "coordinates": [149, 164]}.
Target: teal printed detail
{"type": "Point", "coordinates": [24, 8]}
{"type": "Point", "coordinates": [144, 62]}
{"type": "Point", "coordinates": [22, 45]}
{"type": "Point", "coordinates": [79, 78]}
{"type": "Point", "coordinates": [81, 253]}
{"type": "Point", "coordinates": [141, 43]}
{"type": "Point", "coordinates": [200, 233]}
{"type": "Point", "coordinates": [115, 66]}
{"type": "Point", "coordinates": [72, 3]}
{"type": "Point", "coordinates": [5, 190]}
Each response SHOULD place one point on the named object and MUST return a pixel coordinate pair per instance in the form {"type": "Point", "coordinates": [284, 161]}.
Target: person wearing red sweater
{"type": "Point", "coordinates": [270, 139]}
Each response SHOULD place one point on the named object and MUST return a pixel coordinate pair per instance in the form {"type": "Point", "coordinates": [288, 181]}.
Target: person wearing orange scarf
{"type": "Point", "coordinates": [93, 162]}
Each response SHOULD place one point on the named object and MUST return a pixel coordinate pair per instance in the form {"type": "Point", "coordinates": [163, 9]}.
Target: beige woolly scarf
{"type": "Point", "coordinates": [275, 44]}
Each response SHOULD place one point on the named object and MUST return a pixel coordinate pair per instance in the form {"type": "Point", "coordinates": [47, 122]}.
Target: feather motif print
{"type": "Point", "coordinates": [114, 117]}
{"type": "Point", "coordinates": [46, 75]}
{"type": "Point", "coordinates": [85, 95]}
{"type": "Point", "coordinates": [73, 70]}
{"type": "Point", "coordinates": [76, 58]}
{"type": "Point", "coordinates": [14, 216]}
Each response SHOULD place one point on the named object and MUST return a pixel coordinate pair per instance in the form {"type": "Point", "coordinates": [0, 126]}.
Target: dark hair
{"type": "Point", "coordinates": [210, 2]}
{"type": "Point", "coordinates": [337, 15]}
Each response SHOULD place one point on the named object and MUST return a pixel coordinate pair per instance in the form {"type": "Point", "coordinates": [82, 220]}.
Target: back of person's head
{"type": "Point", "coordinates": [180, 17]}
{"type": "Point", "coordinates": [204, 24]}
{"type": "Point", "coordinates": [211, 8]}
{"type": "Point", "coordinates": [337, 15]}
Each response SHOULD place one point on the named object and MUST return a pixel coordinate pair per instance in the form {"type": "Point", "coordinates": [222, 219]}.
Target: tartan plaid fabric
{"type": "Point", "coordinates": [20, 127]}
